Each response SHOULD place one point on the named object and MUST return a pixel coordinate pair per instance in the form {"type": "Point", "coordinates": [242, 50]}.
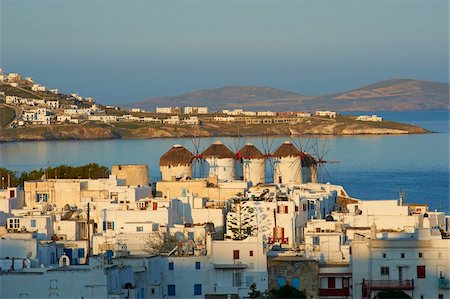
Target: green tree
{"type": "Point", "coordinates": [254, 293]}
{"type": "Point", "coordinates": [287, 291]}
{"type": "Point", "coordinates": [240, 220]}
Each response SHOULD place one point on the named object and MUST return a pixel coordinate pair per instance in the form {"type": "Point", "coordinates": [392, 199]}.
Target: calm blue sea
{"type": "Point", "coordinates": [371, 167]}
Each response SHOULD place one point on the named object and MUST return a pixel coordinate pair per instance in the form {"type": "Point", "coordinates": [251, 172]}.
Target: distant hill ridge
{"type": "Point", "coordinates": [394, 95]}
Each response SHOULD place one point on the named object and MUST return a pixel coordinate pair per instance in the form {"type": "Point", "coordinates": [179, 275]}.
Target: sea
{"type": "Point", "coordinates": [370, 167]}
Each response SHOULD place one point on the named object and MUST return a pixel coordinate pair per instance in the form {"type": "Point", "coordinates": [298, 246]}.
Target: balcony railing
{"type": "Point", "coordinates": [389, 284]}
{"type": "Point", "coordinates": [444, 283]}
{"type": "Point", "coordinates": [278, 240]}
{"type": "Point", "coordinates": [334, 292]}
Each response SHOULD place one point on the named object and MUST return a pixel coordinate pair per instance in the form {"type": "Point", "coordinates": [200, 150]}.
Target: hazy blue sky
{"type": "Point", "coordinates": [123, 51]}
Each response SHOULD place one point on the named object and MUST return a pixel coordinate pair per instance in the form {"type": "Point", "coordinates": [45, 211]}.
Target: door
{"type": "Point", "coordinates": [400, 273]}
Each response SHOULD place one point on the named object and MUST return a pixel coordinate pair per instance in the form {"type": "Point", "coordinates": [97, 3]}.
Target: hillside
{"type": "Point", "coordinates": [226, 97]}
{"type": "Point", "coordinates": [342, 125]}
{"type": "Point", "coordinates": [394, 95]}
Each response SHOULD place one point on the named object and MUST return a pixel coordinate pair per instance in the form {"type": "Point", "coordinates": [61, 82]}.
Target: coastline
{"type": "Point", "coordinates": [101, 131]}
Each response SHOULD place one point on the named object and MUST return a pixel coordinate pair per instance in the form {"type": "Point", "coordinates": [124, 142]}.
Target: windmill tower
{"type": "Point", "coordinates": [176, 164]}
{"type": "Point", "coordinates": [253, 164]}
{"type": "Point", "coordinates": [308, 164]}
{"type": "Point", "coordinates": [287, 167]}
{"type": "Point", "coordinates": [220, 160]}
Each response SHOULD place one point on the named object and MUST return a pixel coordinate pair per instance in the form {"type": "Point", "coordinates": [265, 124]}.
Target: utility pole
{"type": "Point", "coordinates": [88, 232]}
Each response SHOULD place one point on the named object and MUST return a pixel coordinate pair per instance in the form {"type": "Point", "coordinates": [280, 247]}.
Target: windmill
{"type": "Point", "coordinates": [253, 164]}
{"type": "Point", "coordinates": [198, 162]}
{"type": "Point", "coordinates": [320, 152]}
{"type": "Point", "coordinates": [267, 144]}
{"type": "Point", "coordinates": [221, 161]}
{"type": "Point", "coordinates": [305, 166]}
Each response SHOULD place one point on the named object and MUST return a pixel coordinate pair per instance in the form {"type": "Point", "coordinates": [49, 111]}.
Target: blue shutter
{"type": "Point", "coordinates": [104, 225]}
{"type": "Point", "coordinates": [197, 289]}
{"type": "Point", "coordinates": [281, 282]}
{"type": "Point", "coordinates": [296, 283]}
{"type": "Point", "coordinates": [37, 197]}
{"type": "Point", "coordinates": [113, 225]}
{"type": "Point", "coordinates": [80, 252]}
{"type": "Point", "coordinates": [171, 290]}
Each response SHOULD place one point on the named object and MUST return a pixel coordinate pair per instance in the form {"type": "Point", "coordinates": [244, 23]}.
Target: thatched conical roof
{"type": "Point", "coordinates": [249, 151]}
{"type": "Point", "coordinates": [176, 156]}
{"type": "Point", "coordinates": [218, 150]}
{"type": "Point", "coordinates": [287, 149]}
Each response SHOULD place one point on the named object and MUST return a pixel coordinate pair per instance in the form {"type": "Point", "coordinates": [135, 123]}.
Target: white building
{"type": "Point", "coordinates": [167, 110]}
{"type": "Point", "coordinates": [266, 113]}
{"type": "Point", "coordinates": [173, 120]}
{"type": "Point", "coordinates": [224, 119]}
{"type": "Point", "coordinates": [416, 263]}
{"type": "Point", "coordinates": [192, 120]}
{"type": "Point", "coordinates": [52, 104]}
{"type": "Point", "coordinates": [195, 110]}
{"type": "Point", "coordinates": [38, 87]}
{"type": "Point", "coordinates": [373, 118]}
{"type": "Point", "coordinates": [228, 269]}
{"type": "Point", "coordinates": [327, 113]}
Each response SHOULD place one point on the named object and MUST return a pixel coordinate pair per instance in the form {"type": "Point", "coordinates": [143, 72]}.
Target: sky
{"type": "Point", "coordinates": [127, 51]}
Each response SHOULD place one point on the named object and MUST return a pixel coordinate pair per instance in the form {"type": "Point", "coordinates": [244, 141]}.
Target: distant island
{"type": "Point", "coordinates": [33, 112]}
{"type": "Point", "coordinates": [388, 95]}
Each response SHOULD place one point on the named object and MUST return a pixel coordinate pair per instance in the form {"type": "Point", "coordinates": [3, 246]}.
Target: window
{"type": "Point", "coordinates": [197, 289]}
{"type": "Point", "coordinates": [331, 282]}
{"type": "Point", "coordinates": [153, 290]}
{"type": "Point", "coordinates": [251, 253]}
{"type": "Point", "coordinates": [402, 255]}
{"type": "Point", "coordinates": [235, 254]}
{"type": "Point", "coordinates": [420, 255]}
{"type": "Point", "coordinates": [286, 209]}
{"type": "Point", "coordinates": [237, 278]}
{"type": "Point", "coordinates": [14, 223]}
{"type": "Point", "coordinates": [384, 270]}
{"type": "Point", "coordinates": [420, 271]}
{"type": "Point", "coordinates": [197, 265]}
{"type": "Point", "coordinates": [108, 225]}
{"type": "Point", "coordinates": [317, 229]}
{"type": "Point", "coordinates": [281, 281]}
{"type": "Point", "coordinates": [33, 223]}
{"type": "Point", "coordinates": [296, 208]}
{"type": "Point", "coordinates": [384, 255]}
{"type": "Point", "coordinates": [441, 296]}
{"type": "Point", "coordinates": [171, 290]}
{"type": "Point", "coordinates": [139, 228]}
{"type": "Point", "coordinates": [41, 197]}
{"type": "Point", "coordinates": [249, 280]}
{"type": "Point", "coordinates": [53, 284]}
{"type": "Point", "coordinates": [171, 266]}
{"type": "Point", "coordinates": [296, 282]}
{"type": "Point", "coordinates": [316, 240]}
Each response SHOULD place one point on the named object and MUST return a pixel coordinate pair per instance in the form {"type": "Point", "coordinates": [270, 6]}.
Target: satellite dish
{"type": "Point", "coordinates": [29, 254]}
{"type": "Point", "coordinates": [43, 177]}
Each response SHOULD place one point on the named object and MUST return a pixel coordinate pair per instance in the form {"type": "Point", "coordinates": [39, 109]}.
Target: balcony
{"type": "Point", "coordinates": [334, 292]}
{"type": "Point", "coordinates": [444, 283]}
{"type": "Point", "coordinates": [278, 240]}
{"type": "Point", "coordinates": [388, 284]}
{"type": "Point", "coordinates": [234, 266]}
